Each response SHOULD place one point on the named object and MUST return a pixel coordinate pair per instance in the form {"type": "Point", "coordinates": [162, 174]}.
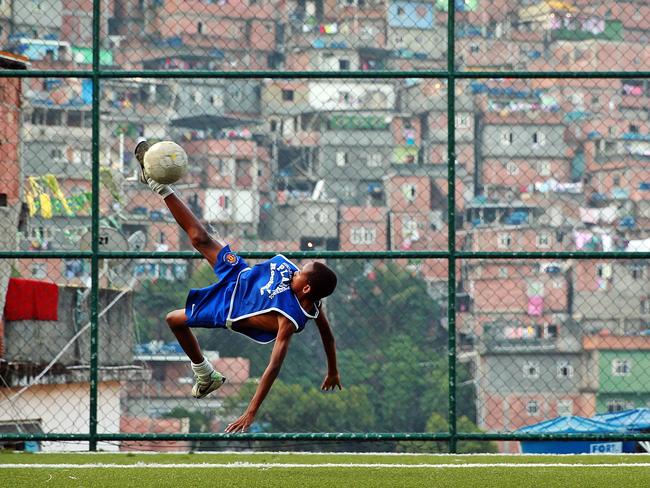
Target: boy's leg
{"type": "Point", "coordinates": [207, 379]}
{"type": "Point", "coordinates": [201, 240]}
{"type": "Point", "coordinates": [177, 322]}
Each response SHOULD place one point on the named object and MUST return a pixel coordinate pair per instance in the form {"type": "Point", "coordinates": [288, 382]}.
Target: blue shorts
{"type": "Point", "coordinates": [209, 306]}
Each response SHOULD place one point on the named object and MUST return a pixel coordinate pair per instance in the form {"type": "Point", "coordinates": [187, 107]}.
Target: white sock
{"type": "Point", "coordinates": [162, 190]}
{"type": "Point", "coordinates": [203, 370]}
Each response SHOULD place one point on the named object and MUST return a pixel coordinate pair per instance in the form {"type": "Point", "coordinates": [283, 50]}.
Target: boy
{"type": "Point", "coordinates": [268, 302]}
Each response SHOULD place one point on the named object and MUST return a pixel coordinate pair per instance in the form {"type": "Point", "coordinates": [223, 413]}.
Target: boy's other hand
{"type": "Point", "coordinates": [241, 424]}
{"type": "Point", "coordinates": [331, 382]}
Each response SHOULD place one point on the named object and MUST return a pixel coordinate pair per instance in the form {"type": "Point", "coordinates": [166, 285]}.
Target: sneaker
{"type": "Point", "coordinates": [142, 147]}
{"type": "Point", "coordinates": [202, 389]}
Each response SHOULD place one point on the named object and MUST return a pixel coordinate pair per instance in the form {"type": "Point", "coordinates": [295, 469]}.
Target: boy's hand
{"type": "Point", "coordinates": [241, 424]}
{"type": "Point", "coordinates": [331, 382]}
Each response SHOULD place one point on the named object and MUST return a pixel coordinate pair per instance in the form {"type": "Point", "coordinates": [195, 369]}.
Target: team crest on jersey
{"type": "Point", "coordinates": [231, 258]}
{"type": "Point", "coordinates": [279, 280]}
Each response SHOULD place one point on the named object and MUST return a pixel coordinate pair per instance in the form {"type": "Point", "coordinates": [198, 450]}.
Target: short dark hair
{"type": "Point", "coordinates": [322, 281]}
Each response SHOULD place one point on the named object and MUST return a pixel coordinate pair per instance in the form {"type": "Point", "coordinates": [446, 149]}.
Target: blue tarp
{"type": "Point", "coordinates": [574, 425]}
{"type": "Point", "coordinates": [634, 419]}
{"type": "Point", "coordinates": [571, 425]}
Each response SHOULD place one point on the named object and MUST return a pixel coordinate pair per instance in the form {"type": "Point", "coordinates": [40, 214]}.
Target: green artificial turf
{"type": "Point", "coordinates": [322, 477]}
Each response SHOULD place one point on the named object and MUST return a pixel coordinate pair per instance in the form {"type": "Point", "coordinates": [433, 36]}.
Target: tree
{"type": "Point", "coordinates": [295, 408]}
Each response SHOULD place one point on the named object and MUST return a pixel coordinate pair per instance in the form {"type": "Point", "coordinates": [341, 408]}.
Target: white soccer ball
{"type": "Point", "coordinates": [165, 162]}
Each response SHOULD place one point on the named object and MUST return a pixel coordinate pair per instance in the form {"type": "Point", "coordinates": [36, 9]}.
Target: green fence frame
{"type": "Point", "coordinates": [451, 254]}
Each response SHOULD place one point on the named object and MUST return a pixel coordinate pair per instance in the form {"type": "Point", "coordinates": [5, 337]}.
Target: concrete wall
{"type": "Point", "coordinates": [200, 97]}
{"type": "Point", "coordinates": [505, 373]}
{"type": "Point", "coordinates": [243, 97]}
{"type": "Point", "coordinates": [522, 144]}
{"type": "Point", "coordinates": [38, 342]}
{"type": "Point", "coordinates": [368, 155]}
{"type": "Point", "coordinates": [64, 408]}
{"type": "Point", "coordinates": [305, 219]}
{"type": "Point", "coordinates": [40, 14]}
{"type": "Point", "coordinates": [8, 241]}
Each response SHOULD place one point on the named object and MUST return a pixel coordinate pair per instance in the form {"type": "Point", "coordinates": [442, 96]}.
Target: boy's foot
{"type": "Point", "coordinates": [202, 389]}
{"type": "Point", "coordinates": [142, 147]}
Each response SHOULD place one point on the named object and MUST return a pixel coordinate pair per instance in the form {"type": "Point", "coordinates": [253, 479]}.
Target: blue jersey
{"type": "Point", "coordinates": [243, 291]}
{"type": "Point", "coordinates": [266, 287]}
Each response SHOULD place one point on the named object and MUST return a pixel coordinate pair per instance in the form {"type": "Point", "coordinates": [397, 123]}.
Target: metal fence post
{"type": "Point", "coordinates": [94, 274]}
{"type": "Point", "coordinates": [451, 224]}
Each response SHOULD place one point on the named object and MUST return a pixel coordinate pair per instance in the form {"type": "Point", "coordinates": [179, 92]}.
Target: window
{"type": "Point", "coordinates": [539, 138]}
{"type": "Point", "coordinates": [507, 138]}
{"type": "Point", "coordinates": [564, 370]}
{"type": "Point", "coordinates": [564, 408]}
{"type": "Point", "coordinates": [363, 235]}
{"type": "Point", "coordinates": [614, 406]}
{"type": "Point", "coordinates": [634, 129]}
{"type": "Point", "coordinates": [504, 240]}
{"type": "Point", "coordinates": [462, 121]}
{"type": "Point", "coordinates": [616, 180]}
{"type": "Point", "coordinates": [544, 168]}
{"type": "Point", "coordinates": [544, 240]}
{"type": "Point", "coordinates": [621, 367]}
{"type": "Point", "coordinates": [512, 168]}
{"type": "Point", "coordinates": [531, 370]}
{"type": "Point", "coordinates": [374, 160]}
{"type": "Point", "coordinates": [39, 270]}
{"type": "Point", "coordinates": [532, 407]}
{"type": "Point", "coordinates": [341, 158]}
{"type": "Point", "coordinates": [197, 97]}
{"type": "Point", "coordinates": [274, 125]}
{"type": "Point", "coordinates": [56, 153]}
{"type": "Point", "coordinates": [199, 27]}
{"type": "Point", "coordinates": [409, 191]}
{"type": "Point", "coordinates": [287, 95]}
{"type": "Point", "coordinates": [344, 65]}
{"type": "Point", "coordinates": [645, 306]}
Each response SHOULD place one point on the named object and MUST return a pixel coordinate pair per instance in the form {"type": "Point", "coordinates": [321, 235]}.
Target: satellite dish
{"type": "Point", "coordinates": [137, 241]}
{"type": "Point", "coordinates": [109, 240]}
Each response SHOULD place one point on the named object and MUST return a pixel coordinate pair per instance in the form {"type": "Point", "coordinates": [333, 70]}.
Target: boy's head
{"type": "Point", "coordinates": [315, 281]}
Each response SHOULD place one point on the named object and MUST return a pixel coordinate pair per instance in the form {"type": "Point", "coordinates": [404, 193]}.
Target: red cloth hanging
{"type": "Point", "coordinates": [31, 300]}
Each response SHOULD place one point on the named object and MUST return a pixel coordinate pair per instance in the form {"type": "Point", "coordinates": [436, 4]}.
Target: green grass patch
{"type": "Point", "coordinates": [322, 477]}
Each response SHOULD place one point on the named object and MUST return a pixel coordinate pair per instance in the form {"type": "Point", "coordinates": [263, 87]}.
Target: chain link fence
{"type": "Point", "coordinates": [480, 183]}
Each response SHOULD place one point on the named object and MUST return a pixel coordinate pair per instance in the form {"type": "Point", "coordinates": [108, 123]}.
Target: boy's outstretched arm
{"type": "Point", "coordinates": [280, 348]}
{"type": "Point", "coordinates": [332, 380]}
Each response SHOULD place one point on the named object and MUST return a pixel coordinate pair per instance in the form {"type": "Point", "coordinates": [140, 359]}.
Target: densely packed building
{"type": "Point", "coordinates": [351, 165]}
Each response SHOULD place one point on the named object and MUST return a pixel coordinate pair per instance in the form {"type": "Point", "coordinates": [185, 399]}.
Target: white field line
{"type": "Point", "coordinates": [246, 465]}
{"type": "Point", "coordinates": [339, 453]}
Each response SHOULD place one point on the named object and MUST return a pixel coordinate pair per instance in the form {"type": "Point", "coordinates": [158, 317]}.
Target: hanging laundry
{"type": "Point", "coordinates": [608, 242]}
{"type": "Point", "coordinates": [581, 238]}
{"type": "Point", "coordinates": [31, 300]}
{"type": "Point", "coordinates": [535, 306]}
{"type": "Point", "coordinates": [606, 271]}
{"type": "Point", "coordinates": [46, 205]}
{"type": "Point", "coordinates": [638, 245]}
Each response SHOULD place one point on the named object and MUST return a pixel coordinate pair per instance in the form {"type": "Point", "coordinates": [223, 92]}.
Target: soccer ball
{"type": "Point", "coordinates": [165, 162]}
